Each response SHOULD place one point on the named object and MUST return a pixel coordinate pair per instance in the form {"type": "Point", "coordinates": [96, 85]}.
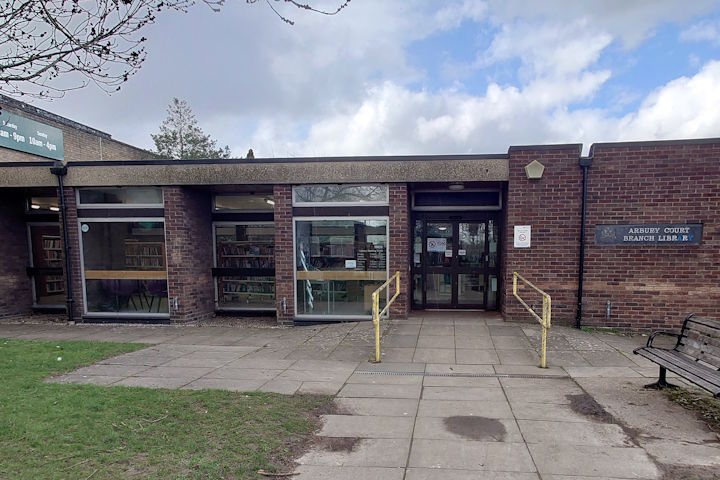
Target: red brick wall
{"type": "Point", "coordinates": [284, 254]}
{"type": "Point", "coordinates": [652, 287]}
{"type": "Point", "coordinates": [75, 253]}
{"type": "Point", "coordinates": [15, 286]}
{"type": "Point", "coordinates": [189, 253]}
{"type": "Point", "coordinates": [551, 205]}
{"type": "Point", "coordinates": [399, 253]}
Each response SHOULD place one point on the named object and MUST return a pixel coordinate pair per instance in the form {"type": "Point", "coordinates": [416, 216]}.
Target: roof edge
{"type": "Point", "coordinates": [656, 143]}
{"type": "Point", "coordinates": [547, 147]}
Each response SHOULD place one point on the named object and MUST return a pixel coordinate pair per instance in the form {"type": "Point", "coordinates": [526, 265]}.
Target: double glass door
{"type": "Point", "coordinates": [456, 262]}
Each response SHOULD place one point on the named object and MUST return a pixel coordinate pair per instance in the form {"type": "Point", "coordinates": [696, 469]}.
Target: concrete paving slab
{"type": "Point", "coordinates": [314, 376]}
{"type": "Point", "coordinates": [474, 342]}
{"type": "Point", "coordinates": [310, 353]}
{"type": "Point", "coordinates": [684, 453]}
{"type": "Point", "coordinates": [244, 373]}
{"type": "Point", "coordinates": [187, 361]}
{"type": "Point", "coordinates": [434, 355]}
{"type": "Point", "coordinates": [470, 455]}
{"type": "Point", "coordinates": [395, 354]}
{"type": "Point", "coordinates": [352, 353]}
{"type": "Point", "coordinates": [574, 433]}
{"type": "Point", "coordinates": [366, 452]}
{"type": "Point", "coordinates": [320, 388]}
{"type": "Point", "coordinates": [318, 472]}
{"type": "Point", "coordinates": [284, 387]}
{"type": "Point", "coordinates": [448, 474]}
{"type": "Point", "coordinates": [385, 379]}
{"type": "Point", "coordinates": [607, 359]}
{"type": "Point", "coordinates": [445, 368]}
{"type": "Point", "coordinates": [506, 330]}
{"type": "Point", "coordinates": [483, 382]}
{"type": "Point", "coordinates": [407, 341]}
{"type": "Point", "coordinates": [180, 372]}
{"type": "Point", "coordinates": [436, 341]}
{"type": "Point", "coordinates": [549, 412]}
{"type": "Point", "coordinates": [449, 408]}
{"type": "Point", "coordinates": [366, 426]}
{"type": "Point", "coordinates": [518, 357]}
{"type": "Point", "coordinates": [360, 390]}
{"type": "Point", "coordinates": [392, 367]}
{"type": "Point", "coordinates": [497, 430]}
{"type": "Point", "coordinates": [463, 393]}
{"type": "Point", "coordinates": [475, 356]}
{"type": "Point", "coordinates": [603, 372]}
{"type": "Point", "coordinates": [553, 383]}
{"type": "Point", "coordinates": [138, 360]}
{"type": "Point", "coordinates": [155, 382]}
{"type": "Point", "coordinates": [389, 407]}
{"type": "Point", "coordinates": [511, 343]}
{"type": "Point", "coordinates": [564, 358]}
{"type": "Point", "coordinates": [232, 384]}
{"type": "Point", "coordinates": [592, 461]}
{"type": "Point", "coordinates": [324, 365]}
{"type": "Point", "coordinates": [261, 363]}
{"type": "Point", "coordinates": [530, 370]}
{"type": "Point", "coordinates": [437, 329]}
{"type": "Point", "coordinates": [403, 329]}
{"type": "Point", "coordinates": [548, 396]}
{"type": "Point", "coordinates": [85, 379]}
{"type": "Point", "coordinates": [111, 370]}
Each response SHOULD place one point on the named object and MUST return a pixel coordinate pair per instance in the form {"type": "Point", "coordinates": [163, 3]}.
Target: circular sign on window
{"type": "Point", "coordinates": [85, 227]}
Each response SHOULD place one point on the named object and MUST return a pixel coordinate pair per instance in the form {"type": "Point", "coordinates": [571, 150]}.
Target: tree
{"type": "Point", "coordinates": [180, 136]}
{"type": "Point", "coordinates": [42, 41]}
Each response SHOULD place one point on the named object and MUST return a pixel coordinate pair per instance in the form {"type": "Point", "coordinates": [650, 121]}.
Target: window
{"type": "Point", "coordinates": [339, 263]}
{"type": "Point", "coordinates": [340, 194]}
{"type": "Point", "coordinates": [43, 205]}
{"type": "Point", "coordinates": [124, 266]}
{"type": "Point", "coordinates": [244, 203]}
{"type": "Point", "coordinates": [117, 196]}
{"type": "Point", "coordinates": [249, 250]}
{"type": "Point", "coordinates": [465, 200]}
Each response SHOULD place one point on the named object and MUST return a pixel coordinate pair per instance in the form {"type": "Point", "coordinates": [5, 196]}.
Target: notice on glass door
{"type": "Point", "coordinates": [436, 244]}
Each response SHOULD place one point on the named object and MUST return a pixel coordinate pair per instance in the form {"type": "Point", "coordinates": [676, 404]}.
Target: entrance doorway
{"type": "Point", "coordinates": [455, 261]}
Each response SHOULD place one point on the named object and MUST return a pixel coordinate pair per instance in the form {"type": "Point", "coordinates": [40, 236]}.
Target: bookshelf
{"type": "Point", "coordinates": [143, 255]}
{"type": "Point", "coordinates": [52, 251]}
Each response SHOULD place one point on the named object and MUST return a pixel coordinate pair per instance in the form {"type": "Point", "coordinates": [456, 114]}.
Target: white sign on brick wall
{"type": "Point", "coordinates": [522, 236]}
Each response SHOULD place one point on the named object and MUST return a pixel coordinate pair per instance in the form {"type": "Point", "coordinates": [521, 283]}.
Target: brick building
{"type": "Point", "coordinates": [309, 239]}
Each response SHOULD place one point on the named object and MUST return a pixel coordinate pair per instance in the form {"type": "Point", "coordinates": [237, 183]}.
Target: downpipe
{"type": "Point", "coordinates": [585, 163]}
{"type": "Point", "coordinates": [60, 170]}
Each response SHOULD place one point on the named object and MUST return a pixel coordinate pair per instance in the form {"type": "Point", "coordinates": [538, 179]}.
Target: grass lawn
{"type": "Point", "coordinates": [83, 431]}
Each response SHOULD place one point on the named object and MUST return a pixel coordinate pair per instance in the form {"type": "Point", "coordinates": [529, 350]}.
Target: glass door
{"type": "Point", "coordinates": [455, 263]}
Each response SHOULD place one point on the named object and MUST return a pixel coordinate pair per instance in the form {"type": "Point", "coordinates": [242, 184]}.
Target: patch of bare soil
{"type": "Point", "coordinates": [337, 444]}
{"type": "Point", "coordinates": [688, 472]}
{"type": "Point", "coordinates": [705, 407]}
{"type": "Point", "coordinates": [476, 428]}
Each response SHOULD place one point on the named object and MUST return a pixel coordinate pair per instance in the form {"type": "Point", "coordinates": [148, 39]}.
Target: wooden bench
{"type": "Point", "coordinates": [695, 356]}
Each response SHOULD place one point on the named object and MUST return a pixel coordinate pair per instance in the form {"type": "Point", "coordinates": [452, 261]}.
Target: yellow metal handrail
{"type": "Point", "coordinates": [546, 312]}
{"type": "Point", "coordinates": [377, 313]}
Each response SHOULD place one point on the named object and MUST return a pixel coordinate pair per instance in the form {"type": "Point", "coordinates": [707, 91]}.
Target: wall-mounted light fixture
{"type": "Point", "coordinates": [534, 170]}
{"type": "Point", "coordinates": [455, 186]}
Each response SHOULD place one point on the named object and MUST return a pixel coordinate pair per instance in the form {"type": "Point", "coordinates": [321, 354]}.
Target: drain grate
{"type": "Point", "coordinates": [472, 375]}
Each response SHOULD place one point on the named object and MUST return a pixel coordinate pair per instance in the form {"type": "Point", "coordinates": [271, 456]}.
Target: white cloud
{"type": "Point", "coordinates": [704, 31]}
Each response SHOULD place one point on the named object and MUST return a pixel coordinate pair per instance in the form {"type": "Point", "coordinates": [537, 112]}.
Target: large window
{"type": "Point", "coordinates": [124, 266]}
{"type": "Point", "coordinates": [339, 263]}
{"type": "Point", "coordinates": [243, 203]}
{"type": "Point", "coordinates": [366, 194]}
{"type": "Point", "coordinates": [246, 252]}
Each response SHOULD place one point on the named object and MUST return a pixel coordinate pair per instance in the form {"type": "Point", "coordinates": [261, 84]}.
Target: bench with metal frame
{"type": "Point", "coordinates": [695, 356]}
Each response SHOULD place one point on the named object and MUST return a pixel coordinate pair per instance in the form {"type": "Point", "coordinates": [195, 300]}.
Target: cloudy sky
{"type": "Point", "coordinates": [424, 76]}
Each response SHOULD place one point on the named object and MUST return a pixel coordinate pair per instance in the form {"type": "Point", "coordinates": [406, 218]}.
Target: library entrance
{"type": "Point", "coordinates": [455, 261]}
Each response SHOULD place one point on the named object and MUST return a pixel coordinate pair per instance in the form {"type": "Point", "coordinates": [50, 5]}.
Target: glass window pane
{"type": "Point", "coordinates": [439, 289]}
{"type": "Point", "coordinates": [43, 204]}
{"type": "Point", "coordinates": [439, 244]}
{"type": "Point", "coordinates": [245, 246]}
{"type": "Point", "coordinates": [49, 289]}
{"type": "Point", "coordinates": [246, 203]}
{"type": "Point", "coordinates": [246, 292]}
{"type": "Point", "coordinates": [492, 244]}
{"type": "Point", "coordinates": [417, 244]}
{"type": "Point", "coordinates": [340, 193]}
{"type": "Point", "coordinates": [117, 195]}
{"type": "Point", "coordinates": [471, 251]}
{"type": "Point", "coordinates": [492, 292]}
{"type": "Point", "coordinates": [471, 289]}
{"type": "Point", "coordinates": [417, 290]}
{"type": "Point", "coordinates": [339, 264]}
{"type": "Point", "coordinates": [125, 269]}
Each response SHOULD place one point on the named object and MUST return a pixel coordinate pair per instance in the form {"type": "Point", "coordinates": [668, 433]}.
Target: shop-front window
{"type": "Point", "coordinates": [339, 264]}
{"type": "Point", "coordinates": [341, 194]}
{"type": "Point", "coordinates": [249, 250]}
{"type": "Point", "coordinates": [124, 267]}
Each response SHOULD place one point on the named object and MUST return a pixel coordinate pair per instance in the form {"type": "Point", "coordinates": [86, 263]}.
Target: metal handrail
{"type": "Point", "coordinates": [377, 313]}
{"type": "Point", "coordinates": [546, 312]}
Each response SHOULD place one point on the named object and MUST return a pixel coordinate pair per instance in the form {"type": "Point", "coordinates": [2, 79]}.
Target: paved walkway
{"type": "Point", "coordinates": [456, 397]}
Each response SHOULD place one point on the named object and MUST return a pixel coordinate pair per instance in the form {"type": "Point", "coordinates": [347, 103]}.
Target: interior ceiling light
{"type": "Point", "coordinates": [55, 209]}
{"type": "Point", "coordinates": [270, 201]}
{"type": "Point", "coordinates": [35, 207]}
{"type": "Point", "coordinates": [456, 186]}
{"type": "Point", "coordinates": [442, 229]}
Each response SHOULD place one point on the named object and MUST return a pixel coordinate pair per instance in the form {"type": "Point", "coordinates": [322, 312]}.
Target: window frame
{"type": "Point", "coordinates": [126, 206]}
{"type": "Point", "coordinates": [86, 313]}
{"type": "Point", "coordinates": [220, 212]}
{"type": "Point", "coordinates": [300, 203]}
{"type": "Point", "coordinates": [328, 317]}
